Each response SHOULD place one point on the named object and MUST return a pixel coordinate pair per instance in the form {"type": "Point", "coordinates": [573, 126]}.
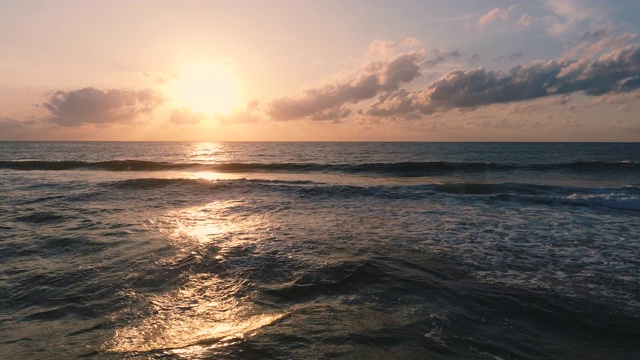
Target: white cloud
{"type": "Point", "coordinates": [496, 15]}
{"type": "Point", "coordinates": [524, 21]}
{"type": "Point", "coordinates": [387, 48]}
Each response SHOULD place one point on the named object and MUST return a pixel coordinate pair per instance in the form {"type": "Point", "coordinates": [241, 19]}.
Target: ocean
{"type": "Point", "coordinates": [250, 250]}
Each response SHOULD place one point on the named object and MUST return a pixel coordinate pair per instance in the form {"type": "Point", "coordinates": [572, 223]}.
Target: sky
{"type": "Point", "coordinates": [345, 70]}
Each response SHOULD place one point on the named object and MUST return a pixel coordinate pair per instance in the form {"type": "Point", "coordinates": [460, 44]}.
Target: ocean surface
{"type": "Point", "coordinates": [176, 250]}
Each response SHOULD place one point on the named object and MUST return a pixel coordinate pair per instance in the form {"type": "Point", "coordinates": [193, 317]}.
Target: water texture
{"type": "Point", "coordinates": [319, 250]}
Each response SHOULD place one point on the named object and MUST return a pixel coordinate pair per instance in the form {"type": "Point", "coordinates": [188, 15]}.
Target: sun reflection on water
{"type": "Point", "coordinates": [203, 313]}
{"type": "Point", "coordinates": [199, 225]}
{"type": "Point", "coordinates": [208, 310]}
{"type": "Point", "coordinates": [208, 153]}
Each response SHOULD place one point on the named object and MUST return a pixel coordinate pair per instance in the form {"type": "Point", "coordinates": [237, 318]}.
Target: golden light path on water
{"type": "Point", "coordinates": [207, 152]}
{"type": "Point", "coordinates": [207, 311]}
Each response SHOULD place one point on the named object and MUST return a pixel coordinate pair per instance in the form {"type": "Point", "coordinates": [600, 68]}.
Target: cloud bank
{"type": "Point", "coordinates": [94, 106]}
{"type": "Point", "coordinates": [614, 72]}
{"type": "Point", "coordinates": [326, 102]}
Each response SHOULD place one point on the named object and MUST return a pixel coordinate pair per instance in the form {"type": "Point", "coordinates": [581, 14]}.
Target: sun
{"type": "Point", "coordinates": [206, 88]}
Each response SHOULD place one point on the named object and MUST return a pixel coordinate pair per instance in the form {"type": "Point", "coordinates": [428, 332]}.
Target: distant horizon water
{"type": "Point", "coordinates": [330, 141]}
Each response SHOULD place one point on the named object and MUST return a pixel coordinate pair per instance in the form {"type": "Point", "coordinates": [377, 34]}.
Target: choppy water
{"type": "Point", "coordinates": [319, 250]}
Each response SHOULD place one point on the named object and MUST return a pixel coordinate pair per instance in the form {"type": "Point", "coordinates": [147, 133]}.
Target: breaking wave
{"type": "Point", "coordinates": [620, 198]}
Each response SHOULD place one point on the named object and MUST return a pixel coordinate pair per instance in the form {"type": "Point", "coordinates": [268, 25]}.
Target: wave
{"type": "Point", "coordinates": [396, 168]}
{"type": "Point", "coordinates": [620, 198]}
{"type": "Point", "coordinates": [115, 165]}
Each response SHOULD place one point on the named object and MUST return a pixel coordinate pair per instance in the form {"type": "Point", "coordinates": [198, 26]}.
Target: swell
{"type": "Point", "coordinates": [620, 198]}
{"type": "Point", "coordinates": [456, 306]}
{"type": "Point", "coordinates": [395, 168]}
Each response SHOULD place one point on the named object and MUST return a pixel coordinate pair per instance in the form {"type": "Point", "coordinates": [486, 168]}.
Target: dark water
{"type": "Point", "coordinates": [319, 250]}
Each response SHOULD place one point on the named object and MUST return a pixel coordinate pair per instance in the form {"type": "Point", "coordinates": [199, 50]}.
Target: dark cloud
{"type": "Point", "coordinates": [456, 54]}
{"type": "Point", "coordinates": [11, 123]}
{"type": "Point", "coordinates": [474, 58]}
{"type": "Point", "coordinates": [186, 116]}
{"type": "Point", "coordinates": [93, 106]}
{"type": "Point", "coordinates": [7, 124]}
{"type": "Point", "coordinates": [616, 71]}
{"type": "Point", "coordinates": [440, 56]}
{"type": "Point", "coordinates": [365, 83]}
{"type": "Point", "coordinates": [613, 72]}
{"type": "Point", "coordinates": [336, 115]}
{"type": "Point", "coordinates": [515, 55]}
{"type": "Point", "coordinates": [14, 129]}
{"type": "Point", "coordinates": [599, 33]}
{"type": "Point", "coordinates": [511, 57]}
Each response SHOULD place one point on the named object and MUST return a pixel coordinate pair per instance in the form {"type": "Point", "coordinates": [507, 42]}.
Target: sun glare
{"type": "Point", "coordinates": [206, 89]}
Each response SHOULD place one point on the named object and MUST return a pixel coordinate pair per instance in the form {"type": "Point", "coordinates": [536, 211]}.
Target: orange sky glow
{"type": "Point", "coordinates": [432, 70]}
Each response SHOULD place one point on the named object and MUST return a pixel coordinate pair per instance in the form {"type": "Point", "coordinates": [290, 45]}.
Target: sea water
{"type": "Point", "coordinates": [177, 250]}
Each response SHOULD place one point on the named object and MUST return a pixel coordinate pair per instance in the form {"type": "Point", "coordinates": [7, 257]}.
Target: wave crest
{"type": "Point", "coordinates": [396, 168]}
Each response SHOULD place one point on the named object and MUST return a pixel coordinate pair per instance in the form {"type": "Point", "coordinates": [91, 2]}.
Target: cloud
{"type": "Point", "coordinates": [599, 33]}
{"type": "Point", "coordinates": [501, 19]}
{"type": "Point", "coordinates": [624, 107]}
{"type": "Point", "coordinates": [495, 15]}
{"type": "Point", "coordinates": [515, 55]}
{"type": "Point", "coordinates": [386, 48]}
{"type": "Point", "coordinates": [242, 117]}
{"type": "Point", "coordinates": [569, 15]}
{"type": "Point", "coordinates": [524, 21]}
{"type": "Point", "coordinates": [616, 98]}
{"type": "Point", "coordinates": [512, 57]}
{"type": "Point", "coordinates": [441, 55]}
{"type": "Point", "coordinates": [501, 124]}
{"type": "Point", "coordinates": [601, 40]}
{"type": "Point", "coordinates": [14, 129]}
{"type": "Point", "coordinates": [614, 72]}
{"type": "Point", "coordinates": [186, 116]}
{"type": "Point", "coordinates": [8, 122]}
{"type": "Point", "coordinates": [558, 100]}
{"type": "Point", "coordinates": [474, 59]}
{"type": "Point", "coordinates": [336, 115]}
{"type": "Point", "coordinates": [93, 106]}
{"type": "Point", "coordinates": [159, 78]}
{"type": "Point", "coordinates": [327, 100]}
{"type": "Point", "coordinates": [250, 114]}
{"type": "Point", "coordinates": [525, 109]}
